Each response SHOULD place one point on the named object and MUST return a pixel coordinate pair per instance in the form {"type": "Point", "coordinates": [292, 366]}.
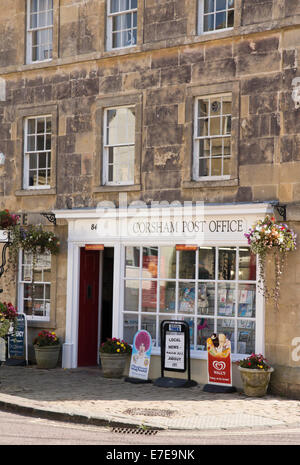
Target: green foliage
{"type": "Point", "coordinates": [115, 346]}
{"type": "Point", "coordinates": [46, 338]}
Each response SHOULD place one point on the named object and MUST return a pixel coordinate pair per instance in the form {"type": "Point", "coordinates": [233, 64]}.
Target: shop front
{"type": "Point", "coordinates": [131, 269]}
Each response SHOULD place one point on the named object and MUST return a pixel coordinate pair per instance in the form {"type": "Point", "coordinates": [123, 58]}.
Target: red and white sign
{"type": "Point", "coordinates": [219, 361]}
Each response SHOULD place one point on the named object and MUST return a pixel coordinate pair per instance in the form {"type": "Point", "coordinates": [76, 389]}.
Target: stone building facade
{"type": "Point", "coordinates": [171, 59]}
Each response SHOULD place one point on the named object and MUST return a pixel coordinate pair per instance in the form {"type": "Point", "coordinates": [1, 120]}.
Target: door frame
{"type": "Point", "coordinates": [70, 346]}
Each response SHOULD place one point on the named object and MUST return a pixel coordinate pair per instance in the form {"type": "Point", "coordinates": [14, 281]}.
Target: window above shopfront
{"type": "Point", "coordinates": [215, 15]}
{"type": "Point", "coordinates": [212, 137]}
{"type": "Point", "coordinates": [121, 23]}
{"type": "Point", "coordinates": [39, 30]}
{"type": "Point", "coordinates": [212, 288]}
{"type": "Point", "coordinates": [35, 286]}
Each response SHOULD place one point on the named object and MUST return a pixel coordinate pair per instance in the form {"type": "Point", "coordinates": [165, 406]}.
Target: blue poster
{"type": "Point", "coordinates": [141, 354]}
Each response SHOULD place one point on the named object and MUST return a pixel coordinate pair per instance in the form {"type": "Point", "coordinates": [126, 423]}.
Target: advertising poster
{"type": "Point", "coordinates": [141, 354]}
{"type": "Point", "coordinates": [175, 348]}
{"type": "Point", "coordinates": [219, 360]}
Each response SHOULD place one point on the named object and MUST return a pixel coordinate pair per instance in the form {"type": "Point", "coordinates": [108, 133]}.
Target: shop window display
{"type": "Point", "coordinates": [212, 288]}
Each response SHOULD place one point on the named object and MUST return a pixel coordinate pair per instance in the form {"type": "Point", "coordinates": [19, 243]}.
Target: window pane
{"type": "Point", "coordinates": [132, 262]}
{"type": "Point", "coordinates": [148, 323]}
{"type": "Point", "coordinates": [130, 327]}
{"type": "Point", "coordinates": [204, 167]}
{"type": "Point", "coordinates": [204, 148]}
{"type": "Point", "coordinates": [202, 127]}
{"type": "Point", "coordinates": [247, 265]}
{"type": "Point", "coordinates": [121, 126]}
{"type": "Point", "coordinates": [33, 21]}
{"type": "Point", "coordinates": [123, 164]}
{"type": "Point", "coordinates": [131, 302]}
{"type": "Point", "coordinates": [220, 5]}
{"type": "Point", "coordinates": [114, 8]}
{"type": "Point", "coordinates": [227, 262]}
{"type": "Point", "coordinates": [209, 23]}
{"type": "Point", "coordinates": [203, 108]}
{"type": "Point", "coordinates": [230, 18]}
{"type": "Point", "coordinates": [116, 40]}
{"type": "Point", "coordinates": [216, 147]}
{"type": "Point", "coordinates": [246, 337]}
{"type": "Point", "coordinates": [246, 300]}
{"type": "Point", "coordinates": [206, 269]}
{"type": "Point", "coordinates": [226, 166]}
{"type": "Point", "coordinates": [34, 6]}
{"type": "Point", "coordinates": [206, 299]}
{"type": "Point", "coordinates": [31, 143]}
{"type": "Point", "coordinates": [226, 299]}
{"type": "Point", "coordinates": [209, 6]}
{"type": "Point", "coordinates": [186, 298]}
{"type": "Point", "coordinates": [167, 296]}
{"type": "Point", "coordinates": [168, 262]}
{"type": "Point", "coordinates": [149, 296]}
{"type": "Point", "coordinates": [205, 328]}
{"type": "Point", "coordinates": [191, 323]}
{"type": "Point", "coordinates": [150, 262]}
{"type": "Point", "coordinates": [216, 167]}
{"type": "Point", "coordinates": [226, 326]}
{"type": "Point", "coordinates": [221, 20]}
{"type": "Point", "coordinates": [187, 264]}
{"type": "Point", "coordinates": [40, 140]}
{"type": "Point", "coordinates": [32, 161]}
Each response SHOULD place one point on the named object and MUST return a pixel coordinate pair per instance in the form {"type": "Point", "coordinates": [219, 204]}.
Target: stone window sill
{"type": "Point", "coordinates": [128, 188]}
{"type": "Point", "coordinates": [210, 184]}
{"type": "Point", "coordinates": [28, 192]}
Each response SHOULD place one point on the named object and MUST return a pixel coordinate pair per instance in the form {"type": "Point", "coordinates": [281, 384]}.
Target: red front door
{"type": "Point", "coordinates": [88, 308]}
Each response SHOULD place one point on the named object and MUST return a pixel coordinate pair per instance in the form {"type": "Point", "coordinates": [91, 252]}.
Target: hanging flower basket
{"type": "Point", "coordinates": [270, 238]}
{"type": "Point", "coordinates": [8, 318]}
{"type": "Point", "coordinates": [7, 220]}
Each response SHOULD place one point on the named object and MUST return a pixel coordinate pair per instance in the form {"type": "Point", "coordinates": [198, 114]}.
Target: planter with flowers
{"type": "Point", "coordinates": [265, 238]}
{"type": "Point", "coordinates": [47, 349]}
{"type": "Point", "coordinates": [114, 354]}
{"type": "Point", "coordinates": [255, 373]}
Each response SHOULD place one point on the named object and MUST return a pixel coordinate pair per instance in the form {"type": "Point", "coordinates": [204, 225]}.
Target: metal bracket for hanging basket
{"type": "Point", "coordinates": [50, 217]}
{"type": "Point", "coordinates": [281, 209]}
{"type": "Point", "coordinates": [4, 250]}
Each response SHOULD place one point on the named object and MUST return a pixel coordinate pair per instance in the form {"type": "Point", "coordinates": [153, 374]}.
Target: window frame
{"type": "Point", "coordinates": [21, 285]}
{"type": "Point", "coordinates": [196, 139]}
{"type": "Point", "coordinates": [30, 31]}
{"type": "Point", "coordinates": [26, 155]}
{"type": "Point", "coordinates": [201, 15]}
{"type": "Point", "coordinates": [106, 147]}
{"type": "Point", "coordinates": [109, 28]}
{"type": "Point", "coordinates": [136, 101]}
{"type": "Point", "coordinates": [195, 353]}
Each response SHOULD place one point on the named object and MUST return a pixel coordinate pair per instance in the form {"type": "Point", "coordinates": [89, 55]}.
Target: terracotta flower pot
{"type": "Point", "coordinates": [255, 382]}
{"type": "Point", "coordinates": [47, 356]}
{"type": "Point", "coordinates": [113, 365]}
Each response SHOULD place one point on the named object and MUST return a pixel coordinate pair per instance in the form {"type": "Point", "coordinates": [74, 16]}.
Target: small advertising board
{"type": "Point", "coordinates": [175, 353]}
{"type": "Point", "coordinates": [17, 343]}
{"type": "Point", "coordinates": [140, 357]}
{"type": "Point", "coordinates": [219, 363]}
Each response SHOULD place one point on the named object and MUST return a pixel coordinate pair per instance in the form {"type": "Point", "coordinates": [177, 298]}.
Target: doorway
{"type": "Point", "coordinates": [95, 303]}
{"type": "Point", "coordinates": [106, 315]}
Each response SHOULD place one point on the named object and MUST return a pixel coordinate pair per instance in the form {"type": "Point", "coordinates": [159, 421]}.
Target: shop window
{"type": "Point", "coordinates": [212, 138]}
{"type": "Point", "coordinates": [119, 146]}
{"type": "Point", "coordinates": [37, 152]}
{"type": "Point", "coordinates": [215, 15]}
{"type": "Point", "coordinates": [39, 30]}
{"type": "Point", "coordinates": [35, 286]}
{"type": "Point", "coordinates": [212, 288]}
{"type": "Point", "coordinates": [121, 23]}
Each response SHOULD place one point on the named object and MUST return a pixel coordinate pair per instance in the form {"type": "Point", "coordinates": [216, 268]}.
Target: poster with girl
{"type": "Point", "coordinates": [141, 354]}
